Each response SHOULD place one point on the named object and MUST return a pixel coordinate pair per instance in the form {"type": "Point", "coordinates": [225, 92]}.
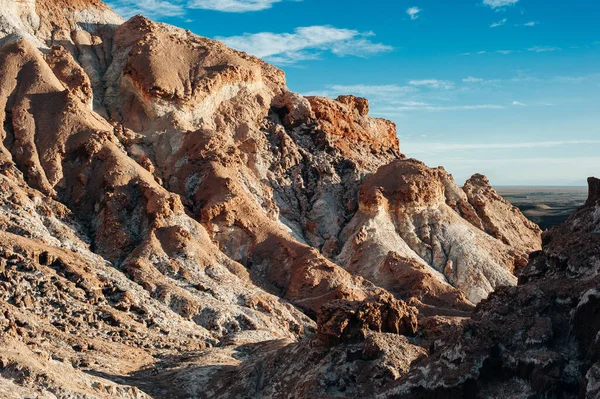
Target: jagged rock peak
{"type": "Point", "coordinates": [350, 130]}
{"type": "Point", "coordinates": [361, 105]}
{"type": "Point", "coordinates": [479, 179]}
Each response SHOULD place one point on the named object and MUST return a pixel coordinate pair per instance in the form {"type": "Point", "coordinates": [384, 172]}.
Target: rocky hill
{"type": "Point", "coordinates": [175, 222]}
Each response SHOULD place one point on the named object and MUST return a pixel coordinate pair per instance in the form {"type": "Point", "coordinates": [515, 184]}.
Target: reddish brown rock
{"type": "Point", "coordinates": [70, 73]}
{"type": "Point", "coordinates": [347, 127]}
{"type": "Point", "coordinates": [345, 320]}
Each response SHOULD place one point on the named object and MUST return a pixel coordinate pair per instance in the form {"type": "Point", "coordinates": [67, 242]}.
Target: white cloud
{"type": "Point", "coordinates": [518, 104]}
{"type": "Point", "coordinates": [502, 22]}
{"type": "Point", "coordinates": [155, 9]}
{"type": "Point", "coordinates": [499, 3]}
{"type": "Point", "coordinates": [472, 79]}
{"type": "Point", "coordinates": [444, 147]}
{"type": "Point", "coordinates": [413, 12]}
{"type": "Point", "coordinates": [530, 24]}
{"type": "Point", "coordinates": [573, 79]}
{"type": "Point", "coordinates": [543, 49]}
{"type": "Point", "coordinates": [233, 5]}
{"type": "Point", "coordinates": [413, 104]}
{"type": "Point", "coordinates": [390, 111]}
{"type": "Point", "coordinates": [432, 83]}
{"type": "Point", "coordinates": [475, 80]}
{"type": "Point", "coordinates": [359, 48]}
{"type": "Point", "coordinates": [379, 95]}
{"type": "Point", "coordinates": [370, 90]}
{"type": "Point", "coordinates": [535, 49]}
{"type": "Point", "coordinates": [306, 43]}
{"type": "Point", "coordinates": [158, 9]}
{"type": "Point", "coordinates": [522, 77]}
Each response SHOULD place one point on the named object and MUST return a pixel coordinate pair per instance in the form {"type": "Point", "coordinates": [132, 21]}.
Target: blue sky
{"type": "Point", "coordinates": [508, 88]}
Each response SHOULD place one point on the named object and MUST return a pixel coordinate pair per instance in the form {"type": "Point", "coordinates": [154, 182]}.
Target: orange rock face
{"type": "Point", "coordinates": [347, 127]}
{"type": "Point", "coordinates": [402, 184]}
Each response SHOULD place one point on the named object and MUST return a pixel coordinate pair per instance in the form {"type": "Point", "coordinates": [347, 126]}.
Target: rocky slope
{"type": "Point", "coordinates": [536, 340]}
{"type": "Point", "coordinates": [172, 215]}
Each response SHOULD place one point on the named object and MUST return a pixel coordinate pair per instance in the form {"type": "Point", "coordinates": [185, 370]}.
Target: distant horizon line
{"type": "Point", "coordinates": [537, 185]}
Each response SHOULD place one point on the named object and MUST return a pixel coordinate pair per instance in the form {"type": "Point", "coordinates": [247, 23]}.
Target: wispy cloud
{"type": "Point", "coordinates": [519, 77]}
{"type": "Point", "coordinates": [429, 148]}
{"type": "Point", "coordinates": [499, 3]}
{"type": "Point", "coordinates": [436, 108]}
{"type": "Point", "coordinates": [159, 9]}
{"type": "Point", "coordinates": [523, 77]}
{"type": "Point", "coordinates": [155, 9]}
{"type": "Point", "coordinates": [472, 79]}
{"type": "Point", "coordinates": [431, 95]}
{"type": "Point", "coordinates": [306, 43]}
{"type": "Point", "coordinates": [370, 91]}
{"type": "Point", "coordinates": [543, 49]}
{"type": "Point", "coordinates": [502, 22]}
{"type": "Point", "coordinates": [413, 104]}
{"type": "Point", "coordinates": [574, 79]}
{"type": "Point", "coordinates": [531, 24]}
{"type": "Point", "coordinates": [432, 83]}
{"type": "Point", "coordinates": [475, 80]}
{"type": "Point", "coordinates": [393, 100]}
{"type": "Point", "coordinates": [413, 12]}
{"type": "Point", "coordinates": [233, 5]}
{"type": "Point", "coordinates": [482, 52]}
{"type": "Point", "coordinates": [535, 49]}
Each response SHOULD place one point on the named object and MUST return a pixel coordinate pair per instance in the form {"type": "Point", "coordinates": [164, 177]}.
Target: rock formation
{"type": "Point", "coordinates": [538, 339]}
{"type": "Point", "coordinates": [411, 216]}
{"type": "Point", "coordinates": [174, 222]}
